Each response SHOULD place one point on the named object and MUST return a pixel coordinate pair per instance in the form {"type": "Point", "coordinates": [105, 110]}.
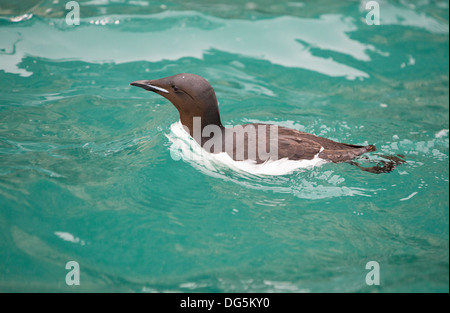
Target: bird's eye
{"type": "Point", "coordinates": [175, 88]}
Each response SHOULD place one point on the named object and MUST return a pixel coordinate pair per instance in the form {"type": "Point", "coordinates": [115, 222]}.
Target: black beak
{"type": "Point", "coordinates": [146, 84]}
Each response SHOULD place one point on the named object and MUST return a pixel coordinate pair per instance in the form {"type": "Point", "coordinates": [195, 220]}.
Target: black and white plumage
{"type": "Point", "coordinates": [194, 97]}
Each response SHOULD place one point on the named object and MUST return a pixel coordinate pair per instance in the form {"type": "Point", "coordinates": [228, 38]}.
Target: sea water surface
{"type": "Point", "coordinates": [89, 173]}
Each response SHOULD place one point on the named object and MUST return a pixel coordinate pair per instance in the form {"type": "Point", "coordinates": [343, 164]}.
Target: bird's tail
{"type": "Point", "coordinates": [383, 166]}
{"type": "Point", "coordinates": [371, 148]}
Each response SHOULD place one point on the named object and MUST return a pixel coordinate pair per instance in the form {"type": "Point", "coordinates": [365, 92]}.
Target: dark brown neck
{"type": "Point", "coordinates": [195, 124]}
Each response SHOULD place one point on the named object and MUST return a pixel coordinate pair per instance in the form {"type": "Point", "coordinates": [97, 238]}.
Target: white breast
{"type": "Point", "coordinates": [185, 147]}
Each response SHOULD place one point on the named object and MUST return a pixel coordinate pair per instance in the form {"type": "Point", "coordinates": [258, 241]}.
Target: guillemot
{"type": "Point", "coordinates": [196, 102]}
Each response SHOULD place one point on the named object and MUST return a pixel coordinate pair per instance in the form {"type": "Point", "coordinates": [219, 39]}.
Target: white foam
{"type": "Point", "coordinates": [186, 148]}
{"type": "Point", "coordinates": [410, 196]}
{"type": "Point", "coordinates": [69, 237]}
{"type": "Point", "coordinates": [441, 133]}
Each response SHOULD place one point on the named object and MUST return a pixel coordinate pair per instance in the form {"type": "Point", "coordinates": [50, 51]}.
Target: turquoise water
{"type": "Point", "coordinates": [87, 174]}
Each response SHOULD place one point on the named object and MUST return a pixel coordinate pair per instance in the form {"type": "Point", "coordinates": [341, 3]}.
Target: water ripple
{"type": "Point", "coordinates": [257, 39]}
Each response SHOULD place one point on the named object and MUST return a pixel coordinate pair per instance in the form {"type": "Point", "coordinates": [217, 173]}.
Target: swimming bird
{"type": "Point", "coordinates": [196, 102]}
